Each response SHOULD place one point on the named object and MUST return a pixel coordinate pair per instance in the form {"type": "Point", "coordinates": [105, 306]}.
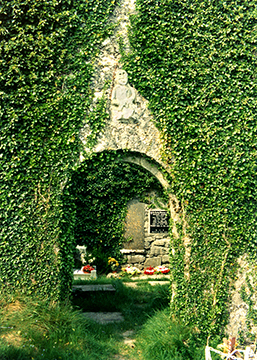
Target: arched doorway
{"type": "Point", "coordinates": [103, 187]}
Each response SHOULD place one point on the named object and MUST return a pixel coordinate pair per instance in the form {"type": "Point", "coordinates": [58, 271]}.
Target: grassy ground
{"type": "Point", "coordinates": [32, 329]}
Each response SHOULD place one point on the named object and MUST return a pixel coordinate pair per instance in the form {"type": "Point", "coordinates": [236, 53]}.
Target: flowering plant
{"type": "Point", "coordinates": [149, 270]}
{"type": "Point", "coordinates": [83, 256]}
{"type": "Point", "coordinates": [113, 263]}
{"type": "Point", "coordinates": [162, 270]}
{"type": "Point", "coordinates": [87, 269]}
{"type": "Point", "coordinates": [131, 270]}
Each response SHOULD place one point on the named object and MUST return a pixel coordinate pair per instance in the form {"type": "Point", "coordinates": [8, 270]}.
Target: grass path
{"type": "Point", "coordinates": [136, 301]}
{"type": "Point", "coordinates": [32, 329]}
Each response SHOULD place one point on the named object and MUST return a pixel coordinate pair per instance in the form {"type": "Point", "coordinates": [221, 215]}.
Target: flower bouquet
{"type": "Point", "coordinates": [162, 270]}
{"type": "Point", "coordinates": [87, 269]}
{"type": "Point", "coordinates": [113, 263]}
{"type": "Point", "coordinates": [86, 272]}
{"type": "Point", "coordinates": [131, 270]}
{"type": "Point", "coordinates": [149, 270]}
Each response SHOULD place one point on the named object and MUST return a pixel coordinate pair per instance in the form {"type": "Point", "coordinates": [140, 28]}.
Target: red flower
{"type": "Point", "coordinates": [87, 269]}
{"type": "Point", "coordinates": [149, 271]}
{"type": "Point", "coordinates": [166, 271]}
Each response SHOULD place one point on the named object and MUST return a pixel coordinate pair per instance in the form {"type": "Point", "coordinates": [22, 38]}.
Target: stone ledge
{"type": "Point", "coordinates": [96, 287]}
{"type": "Point", "coordinates": [130, 251]}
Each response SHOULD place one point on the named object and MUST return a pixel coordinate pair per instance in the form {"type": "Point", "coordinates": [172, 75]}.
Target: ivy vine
{"type": "Point", "coordinates": [47, 51]}
{"type": "Point", "coordinates": [195, 61]}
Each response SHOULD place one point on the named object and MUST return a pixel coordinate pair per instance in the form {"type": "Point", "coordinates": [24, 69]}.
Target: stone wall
{"type": "Point", "coordinates": [146, 249]}
{"type": "Point", "coordinates": [130, 126]}
{"type": "Point", "coordinates": [242, 313]}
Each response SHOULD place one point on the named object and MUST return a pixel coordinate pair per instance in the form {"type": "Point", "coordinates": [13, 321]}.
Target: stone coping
{"type": "Point", "coordinates": [94, 287]}
{"type": "Point", "coordinates": [109, 287]}
{"type": "Point", "coordinates": [130, 251]}
{"type": "Point", "coordinates": [152, 283]}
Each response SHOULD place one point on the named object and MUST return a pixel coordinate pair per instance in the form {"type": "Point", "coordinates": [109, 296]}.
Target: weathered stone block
{"type": "Point", "coordinates": [163, 242]}
{"type": "Point", "coordinates": [150, 239]}
{"type": "Point", "coordinates": [136, 259]}
{"type": "Point", "coordinates": [134, 225]}
{"type": "Point", "coordinates": [148, 244]}
{"type": "Point", "coordinates": [153, 262]}
{"type": "Point", "coordinates": [165, 259]}
{"type": "Point", "coordinates": [155, 250]}
{"type": "Point", "coordinates": [158, 250]}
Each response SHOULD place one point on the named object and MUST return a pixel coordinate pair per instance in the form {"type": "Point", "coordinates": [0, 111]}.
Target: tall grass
{"type": "Point", "coordinates": [162, 338]}
{"type": "Point", "coordinates": [32, 329]}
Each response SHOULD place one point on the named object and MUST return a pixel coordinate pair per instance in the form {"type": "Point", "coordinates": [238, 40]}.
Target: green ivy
{"type": "Point", "coordinates": [195, 61]}
{"type": "Point", "coordinates": [47, 50]}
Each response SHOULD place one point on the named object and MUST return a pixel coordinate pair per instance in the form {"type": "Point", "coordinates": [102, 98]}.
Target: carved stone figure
{"type": "Point", "coordinates": [123, 98]}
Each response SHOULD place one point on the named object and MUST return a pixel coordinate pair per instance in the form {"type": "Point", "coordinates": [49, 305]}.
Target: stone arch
{"type": "Point", "coordinates": [147, 248]}
{"type": "Point", "coordinates": [156, 246]}
{"type": "Point", "coordinates": [148, 164]}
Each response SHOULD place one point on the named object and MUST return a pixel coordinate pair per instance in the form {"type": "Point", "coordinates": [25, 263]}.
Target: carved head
{"type": "Point", "coordinates": [122, 77]}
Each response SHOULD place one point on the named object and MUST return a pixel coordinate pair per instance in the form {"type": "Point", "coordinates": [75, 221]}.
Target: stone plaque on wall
{"type": "Point", "coordinates": [134, 225]}
{"type": "Point", "coordinates": [158, 221]}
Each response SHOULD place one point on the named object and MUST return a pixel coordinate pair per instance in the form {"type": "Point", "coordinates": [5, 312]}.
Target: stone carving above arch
{"type": "Point", "coordinates": [130, 125]}
{"type": "Point", "coordinates": [122, 107]}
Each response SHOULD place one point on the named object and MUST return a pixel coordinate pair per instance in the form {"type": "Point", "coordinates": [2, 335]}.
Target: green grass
{"type": "Point", "coordinates": [164, 339]}
{"type": "Point", "coordinates": [32, 329]}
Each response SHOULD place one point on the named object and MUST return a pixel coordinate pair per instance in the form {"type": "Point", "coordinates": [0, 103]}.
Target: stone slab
{"type": "Point", "coordinates": [152, 283]}
{"type": "Point", "coordinates": [104, 317]}
{"type": "Point", "coordinates": [94, 287]}
{"type": "Point", "coordinates": [162, 242]}
{"type": "Point", "coordinates": [165, 259]}
{"type": "Point", "coordinates": [134, 225]}
{"type": "Point", "coordinates": [133, 259]}
{"type": "Point", "coordinates": [158, 250]}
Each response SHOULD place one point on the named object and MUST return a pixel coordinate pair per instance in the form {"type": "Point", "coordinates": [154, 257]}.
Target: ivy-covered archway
{"type": "Point", "coordinates": [101, 188]}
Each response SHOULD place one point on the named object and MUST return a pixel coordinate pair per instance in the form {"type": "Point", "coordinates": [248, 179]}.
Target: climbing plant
{"type": "Point", "coordinates": [195, 61]}
{"type": "Point", "coordinates": [102, 187]}
{"type": "Point", "coordinates": [47, 52]}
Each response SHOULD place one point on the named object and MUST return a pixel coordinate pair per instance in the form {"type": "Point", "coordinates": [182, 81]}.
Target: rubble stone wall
{"type": "Point", "coordinates": [156, 248]}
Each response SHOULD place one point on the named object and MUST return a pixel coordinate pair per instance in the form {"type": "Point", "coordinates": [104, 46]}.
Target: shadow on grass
{"type": "Point", "coordinates": [145, 309]}
{"type": "Point", "coordinates": [32, 329]}
{"type": "Point", "coordinates": [135, 304]}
